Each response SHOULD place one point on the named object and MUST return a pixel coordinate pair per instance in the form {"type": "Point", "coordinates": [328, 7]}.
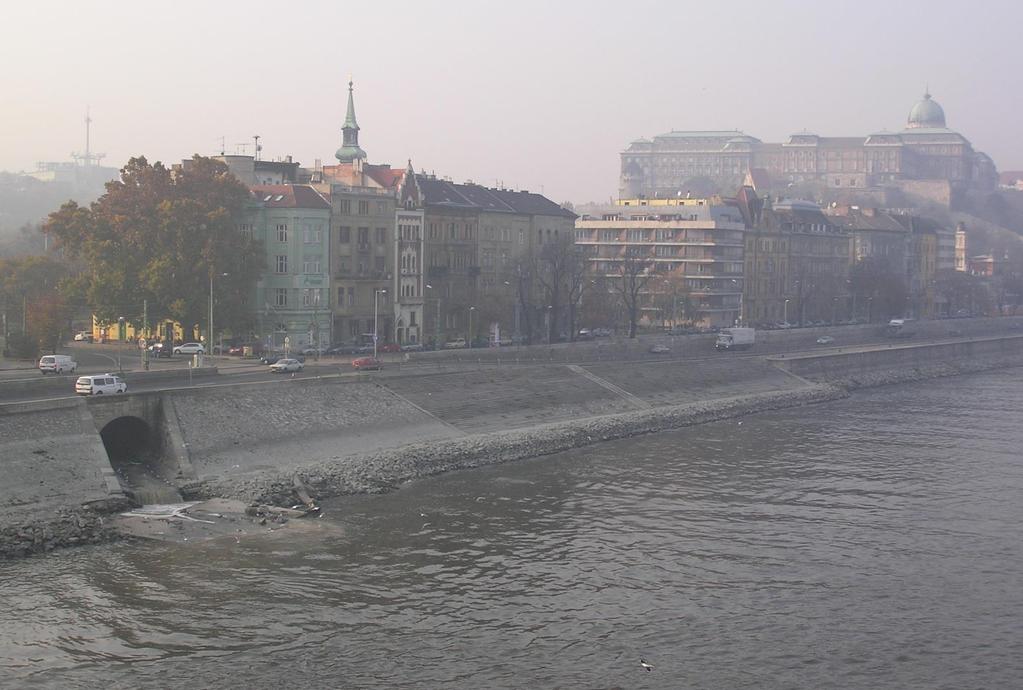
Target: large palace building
{"type": "Point", "coordinates": [924, 151]}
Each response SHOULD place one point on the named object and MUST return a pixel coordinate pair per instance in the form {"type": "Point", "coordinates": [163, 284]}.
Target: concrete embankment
{"type": "Point", "coordinates": [900, 363]}
{"type": "Point", "coordinates": [387, 469]}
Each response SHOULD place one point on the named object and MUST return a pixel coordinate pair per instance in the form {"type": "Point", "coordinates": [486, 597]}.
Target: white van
{"type": "Point", "coordinates": [98, 384]}
{"type": "Point", "coordinates": [57, 364]}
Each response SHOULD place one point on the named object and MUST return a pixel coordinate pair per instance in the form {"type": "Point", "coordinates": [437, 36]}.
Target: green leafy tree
{"type": "Point", "coordinates": [162, 236]}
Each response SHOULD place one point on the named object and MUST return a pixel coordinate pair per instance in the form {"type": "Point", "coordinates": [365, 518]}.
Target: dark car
{"type": "Point", "coordinates": [274, 357]}
{"type": "Point", "coordinates": [160, 350]}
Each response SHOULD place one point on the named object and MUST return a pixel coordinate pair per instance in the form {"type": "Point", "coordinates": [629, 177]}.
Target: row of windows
{"type": "Point", "coordinates": [307, 297]}
{"type": "Point", "coordinates": [310, 264]}
{"type": "Point", "coordinates": [344, 207]}
{"type": "Point", "coordinates": [362, 266]}
{"type": "Point", "coordinates": [344, 235]}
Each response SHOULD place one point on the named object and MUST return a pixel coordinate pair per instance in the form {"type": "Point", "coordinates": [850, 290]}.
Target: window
{"type": "Point", "coordinates": [311, 264]}
{"type": "Point", "coordinates": [340, 296]}
{"type": "Point", "coordinates": [344, 206]}
{"type": "Point", "coordinates": [411, 318]}
{"type": "Point", "coordinates": [344, 234]}
{"type": "Point", "coordinates": [351, 297]}
{"type": "Point", "coordinates": [378, 263]}
{"type": "Point", "coordinates": [381, 208]}
{"type": "Point", "coordinates": [311, 297]}
{"type": "Point", "coordinates": [281, 297]}
{"type": "Point", "coordinates": [363, 208]}
{"type": "Point", "coordinates": [522, 236]}
{"type": "Point", "coordinates": [282, 232]}
{"type": "Point", "coordinates": [363, 236]}
{"type": "Point", "coordinates": [380, 235]}
{"type": "Point", "coordinates": [282, 263]}
{"type": "Point", "coordinates": [451, 231]}
{"type": "Point", "coordinates": [312, 235]}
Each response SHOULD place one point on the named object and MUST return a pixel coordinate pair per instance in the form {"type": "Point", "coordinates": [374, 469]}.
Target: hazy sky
{"type": "Point", "coordinates": [532, 94]}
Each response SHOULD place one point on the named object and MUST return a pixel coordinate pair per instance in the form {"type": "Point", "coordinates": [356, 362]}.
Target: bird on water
{"type": "Point", "coordinates": [645, 665]}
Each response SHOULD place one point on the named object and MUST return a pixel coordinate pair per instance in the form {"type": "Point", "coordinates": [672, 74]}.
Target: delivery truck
{"type": "Point", "coordinates": [735, 338]}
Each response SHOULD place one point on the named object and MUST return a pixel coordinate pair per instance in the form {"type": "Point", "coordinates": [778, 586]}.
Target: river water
{"type": "Point", "coordinates": [872, 542]}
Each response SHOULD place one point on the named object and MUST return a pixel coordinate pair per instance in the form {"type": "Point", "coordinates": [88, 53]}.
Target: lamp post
{"type": "Point", "coordinates": [437, 328]}
{"type": "Point", "coordinates": [120, 341]}
{"type": "Point", "coordinates": [471, 310]}
{"type": "Point", "coordinates": [547, 321]}
{"type": "Point", "coordinates": [210, 334]}
{"type": "Point", "coordinates": [869, 315]}
{"type": "Point", "coordinates": [785, 313]}
{"type": "Point", "coordinates": [376, 295]}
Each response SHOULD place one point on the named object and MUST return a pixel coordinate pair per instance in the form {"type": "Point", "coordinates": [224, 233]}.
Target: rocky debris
{"type": "Point", "coordinates": [68, 527]}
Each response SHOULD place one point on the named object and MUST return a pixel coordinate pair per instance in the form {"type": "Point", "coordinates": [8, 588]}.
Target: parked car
{"type": "Point", "coordinates": [412, 347]}
{"type": "Point", "coordinates": [585, 334]}
{"type": "Point", "coordinates": [601, 332]}
{"type": "Point", "coordinates": [658, 349]}
{"type": "Point", "coordinates": [57, 364]}
{"type": "Point", "coordinates": [190, 349]}
{"type": "Point", "coordinates": [98, 384]}
{"type": "Point", "coordinates": [160, 350]}
{"type": "Point", "coordinates": [825, 340]}
{"type": "Point", "coordinates": [389, 347]}
{"type": "Point", "coordinates": [367, 364]}
{"type": "Point", "coordinates": [286, 364]}
{"type": "Point", "coordinates": [83, 337]}
{"type": "Point", "coordinates": [455, 344]}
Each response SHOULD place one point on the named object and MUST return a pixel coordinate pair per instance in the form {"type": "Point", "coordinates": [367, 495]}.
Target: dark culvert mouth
{"type": "Point", "coordinates": [134, 449]}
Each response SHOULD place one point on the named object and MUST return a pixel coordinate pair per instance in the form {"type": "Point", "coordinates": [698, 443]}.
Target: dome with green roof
{"type": "Point", "coordinates": [926, 113]}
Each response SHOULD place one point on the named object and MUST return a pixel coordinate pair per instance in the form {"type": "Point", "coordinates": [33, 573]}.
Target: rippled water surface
{"type": "Point", "coordinates": [873, 542]}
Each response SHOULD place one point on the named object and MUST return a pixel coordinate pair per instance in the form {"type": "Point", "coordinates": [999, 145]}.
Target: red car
{"type": "Point", "coordinates": [367, 364]}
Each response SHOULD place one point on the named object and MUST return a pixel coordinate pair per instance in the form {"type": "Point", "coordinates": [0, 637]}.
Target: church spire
{"type": "Point", "coordinates": [350, 150]}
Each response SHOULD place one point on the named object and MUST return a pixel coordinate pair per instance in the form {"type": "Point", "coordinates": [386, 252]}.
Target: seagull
{"type": "Point", "coordinates": [645, 665]}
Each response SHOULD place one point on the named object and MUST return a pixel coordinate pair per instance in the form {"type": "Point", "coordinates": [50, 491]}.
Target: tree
{"type": "Point", "coordinates": [23, 281]}
{"type": "Point", "coordinates": [672, 298]}
{"type": "Point", "coordinates": [49, 321]}
{"type": "Point", "coordinates": [962, 292]}
{"type": "Point", "coordinates": [633, 274]}
{"type": "Point", "coordinates": [874, 282]}
{"type": "Point", "coordinates": [162, 236]}
{"type": "Point", "coordinates": [561, 273]}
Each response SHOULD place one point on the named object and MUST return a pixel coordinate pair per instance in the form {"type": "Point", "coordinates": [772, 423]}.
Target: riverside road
{"type": "Point", "coordinates": [24, 384]}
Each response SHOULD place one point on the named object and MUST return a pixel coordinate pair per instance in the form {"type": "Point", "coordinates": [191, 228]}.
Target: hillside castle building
{"type": "Point", "coordinates": [925, 157]}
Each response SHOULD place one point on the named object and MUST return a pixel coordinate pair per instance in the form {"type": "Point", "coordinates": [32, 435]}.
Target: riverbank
{"type": "Point", "coordinates": [465, 420]}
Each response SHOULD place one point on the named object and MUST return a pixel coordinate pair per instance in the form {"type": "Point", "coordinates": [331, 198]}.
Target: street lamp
{"type": "Point", "coordinates": [210, 338]}
{"type": "Point", "coordinates": [869, 315]}
{"type": "Point", "coordinates": [834, 310]}
{"type": "Point", "coordinates": [376, 295]}
{"type": "Point", "coordinates": [471, 310]}
{"type": "Point", "coordinates": [120, 341]}
{"type": "Point", "coordinates": [437, 329]}
{"type": "Point", "coordinates": [548, 323]}
{"type": "Point", "coordinates": [785, 313]}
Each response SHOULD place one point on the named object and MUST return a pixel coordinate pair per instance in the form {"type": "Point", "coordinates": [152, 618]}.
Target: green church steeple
{"type": "Point", "coordinates": [350, 150]}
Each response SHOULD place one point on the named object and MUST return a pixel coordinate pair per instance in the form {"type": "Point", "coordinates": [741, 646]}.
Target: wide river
{"type": "Point", "coordinates": [873, 542]}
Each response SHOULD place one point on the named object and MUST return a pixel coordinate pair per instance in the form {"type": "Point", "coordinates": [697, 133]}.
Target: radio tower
{"type": "Point", "coordinates": [87, 159]}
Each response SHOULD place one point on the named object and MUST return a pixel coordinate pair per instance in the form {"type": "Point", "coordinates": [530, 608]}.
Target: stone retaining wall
{"type": "Point", "coordinates": [387, 469]}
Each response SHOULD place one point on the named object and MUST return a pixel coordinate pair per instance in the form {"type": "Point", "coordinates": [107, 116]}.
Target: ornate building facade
{"type": "Point", "coordinates": [924, 150]}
